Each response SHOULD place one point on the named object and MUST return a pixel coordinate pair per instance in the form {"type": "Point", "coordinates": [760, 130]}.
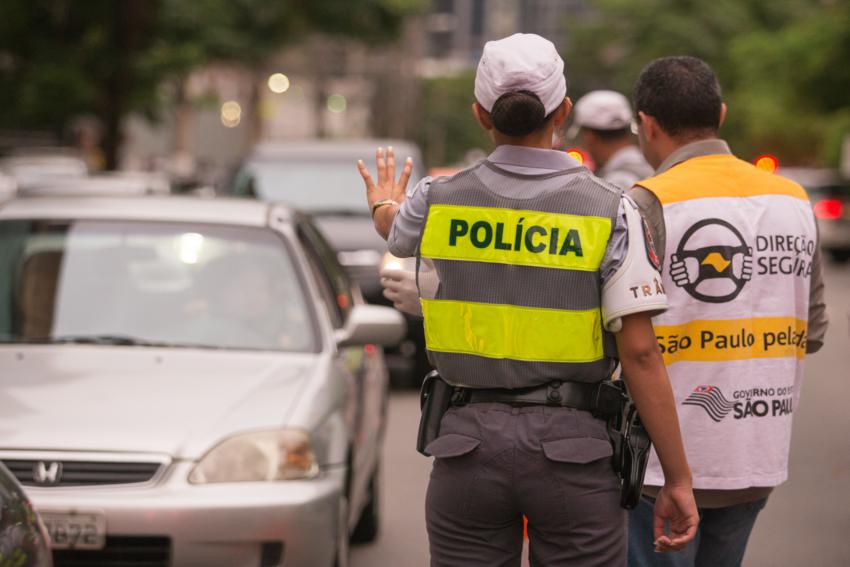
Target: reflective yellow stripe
{"type": "Point", "coordinates": [733, 339]}
{"type": "Point", "coordinates": [507, 331]}
{"type": "Point", "coordinates": [506, 236]}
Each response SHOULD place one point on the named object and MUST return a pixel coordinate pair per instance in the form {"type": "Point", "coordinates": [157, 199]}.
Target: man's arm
{"type": "Point", "coordinates": [652, 211]}
{"type": "Point", "coordinates": [818, 319]}
{"type": "Point", "coordinates": [646, 376]}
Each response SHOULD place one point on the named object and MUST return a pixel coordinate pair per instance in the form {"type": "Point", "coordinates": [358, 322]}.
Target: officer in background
{"type": "Point", "coordinates": [742, 271]}
{"type": "Point", "coordinates": [544, 281]}
{"type": "Point", "coordinates": [603, 123]}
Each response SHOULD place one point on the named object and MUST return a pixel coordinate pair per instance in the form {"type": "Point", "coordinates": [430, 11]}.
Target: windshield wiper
{"type": "Point", "coordinates": [105, 339]}
{"type": "Point", "coordinates": [117, 340]}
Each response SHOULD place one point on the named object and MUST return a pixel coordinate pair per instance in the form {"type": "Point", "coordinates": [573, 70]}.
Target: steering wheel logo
{"type": "Point", "coordinates": [715, 273]}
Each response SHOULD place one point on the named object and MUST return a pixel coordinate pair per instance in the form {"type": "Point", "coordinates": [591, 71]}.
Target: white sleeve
{"type": "Point", "coordinates": [636, 285]}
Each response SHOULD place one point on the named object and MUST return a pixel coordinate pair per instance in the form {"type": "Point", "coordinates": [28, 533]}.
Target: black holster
{"type": "Point", "coordinates": [631, 449]}
{"type": "Point", "coordinates": [435, 397]}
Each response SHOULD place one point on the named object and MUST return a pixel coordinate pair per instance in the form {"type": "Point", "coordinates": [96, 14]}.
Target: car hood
{"type": "Point", "coordinates": [174, 401]}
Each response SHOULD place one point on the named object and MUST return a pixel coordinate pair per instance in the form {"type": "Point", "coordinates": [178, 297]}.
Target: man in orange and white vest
{"type": "Point", "coordinates": [742, 272]}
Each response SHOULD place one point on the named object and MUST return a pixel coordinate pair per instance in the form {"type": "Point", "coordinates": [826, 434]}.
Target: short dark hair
{"type": "Point", "coordinates": [610, 135]}
{"type": "Point", "coordinates": [518, 113]}
{"type": "Point", "coordinates": [682, 94]}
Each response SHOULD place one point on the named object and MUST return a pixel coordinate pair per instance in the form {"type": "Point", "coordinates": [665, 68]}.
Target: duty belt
{"type": "Point", "coordinates": [600, 398]}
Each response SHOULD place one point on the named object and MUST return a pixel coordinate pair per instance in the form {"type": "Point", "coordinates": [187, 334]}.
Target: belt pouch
{"type": "Point", "coordinates": [434, 400]}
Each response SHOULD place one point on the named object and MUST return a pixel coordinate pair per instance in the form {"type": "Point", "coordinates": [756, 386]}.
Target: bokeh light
{"type": "Point", "coordinates": [337, 103]}
{"type": "Point", "coordinates": [231, 114]}
{"type": "Point", "coordinates": [278, 83]}
{"type": "Point", "coordinates": [576, 154]}
{"type": "Point", "coordinates": [767, 163]}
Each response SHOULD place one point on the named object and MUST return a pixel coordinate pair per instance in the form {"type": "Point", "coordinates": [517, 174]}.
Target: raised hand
{"type": "Point", "coordinates": [387, 187]}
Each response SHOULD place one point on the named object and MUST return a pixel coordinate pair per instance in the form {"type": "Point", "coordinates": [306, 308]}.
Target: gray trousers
{"type": "Point", "coordinates": [495, 464]}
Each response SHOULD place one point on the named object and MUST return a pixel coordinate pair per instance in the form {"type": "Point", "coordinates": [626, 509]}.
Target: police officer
{"type": "Point", "coordinates": [544, 281]}
{"type": "Point", "coordinates": [742, 271]}
{"type": "Point", "coordinates": [603, 121]}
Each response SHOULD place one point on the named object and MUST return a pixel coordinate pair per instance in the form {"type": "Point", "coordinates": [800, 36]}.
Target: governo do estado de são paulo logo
{"type": "Point", "coordinates": [746, 403]}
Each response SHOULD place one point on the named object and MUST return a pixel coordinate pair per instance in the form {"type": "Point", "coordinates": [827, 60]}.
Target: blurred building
{"type": "Point", "coordinates": [457, 29]}
{"type": "Point", "coordinates": [331, 87]}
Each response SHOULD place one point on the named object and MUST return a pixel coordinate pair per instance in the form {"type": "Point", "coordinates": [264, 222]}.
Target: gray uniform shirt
{"type": "Point", "coordinates": [625, 167]}
{"type": "Point", "coordinates": [409, 222]}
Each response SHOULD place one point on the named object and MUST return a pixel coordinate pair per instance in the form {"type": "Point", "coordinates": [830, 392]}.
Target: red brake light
{"type": "Point", "coordinates": [577, 155]}
{"type": "Point", "coordinates": [828, 209]}
{"type": "Point", "coordinates": [767, 162]}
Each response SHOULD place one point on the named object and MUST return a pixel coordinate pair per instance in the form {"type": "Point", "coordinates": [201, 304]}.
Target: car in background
{"type": "Point", "coordinates": [321, 178]}
{"type": "Point", "coordinates": [830, 197]}
{"type": "Point", "coordinates": [8, 187]}
{"type": "Point", "coordinates": [23, 539]}
{"type": "Point", "coordinates": [188, 382]}
{"type": "Point", "coordinates": [34, 166]}
{"type": "Point", "coordinates": [113, 183]}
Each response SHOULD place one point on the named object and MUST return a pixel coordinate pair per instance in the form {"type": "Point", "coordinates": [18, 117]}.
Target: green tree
{"type": "Point", "coordinates": [448, 128]}
{"type": "Point", "coordinates": [60, 58]}
{"type": "Point", "coordinates": [774, 58]}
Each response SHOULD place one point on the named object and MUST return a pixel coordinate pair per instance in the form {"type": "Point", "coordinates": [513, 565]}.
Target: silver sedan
{"type": "Point", "coordinates": [188, 382]}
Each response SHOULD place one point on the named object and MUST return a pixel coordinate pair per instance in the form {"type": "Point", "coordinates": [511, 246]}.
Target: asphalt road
{"type": "Point", "coordinates": [806, 521]}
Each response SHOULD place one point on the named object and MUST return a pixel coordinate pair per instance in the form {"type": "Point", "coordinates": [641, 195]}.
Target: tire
{"type": "Point", "coordinates": [839, 256]}
{"type": "Point", "coordinates": [368, 525]}
{"type": "Point", "coordinates": [341, 559]}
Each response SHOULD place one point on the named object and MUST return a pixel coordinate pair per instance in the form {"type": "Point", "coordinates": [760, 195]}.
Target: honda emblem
{"type": "Point", "coordinates": [47, 473]}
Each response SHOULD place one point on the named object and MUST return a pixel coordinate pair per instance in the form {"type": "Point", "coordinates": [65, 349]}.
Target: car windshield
{"type": "Point", "coordinates": [330, 185]}
{"type": "Point", "coordinates": [310, 185]}
{"type": "Point", "coordinates": [834, 191]}
{"type": "Point", "coordinates": [150, 284]}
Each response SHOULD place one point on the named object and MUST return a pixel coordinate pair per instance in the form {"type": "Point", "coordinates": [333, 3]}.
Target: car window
{"type": "Point", "coordinates": [338, 276]}
{"type": "Point", "coordinates": [322, 276]}
{"type": "Point", "coordinates": [160, 283]}
{"type": "Point", "coordinates": [326, 184]}
{"type": "Point", "coordinates": [832, 190]}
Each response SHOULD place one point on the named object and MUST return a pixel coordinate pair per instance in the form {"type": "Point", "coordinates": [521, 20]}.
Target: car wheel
{"type": "Point", "coordinates": [368, 524]}
{"type": "Point", "coordinates": [341, 559]}
{"type": "Point", "coordinates": [839, 256]}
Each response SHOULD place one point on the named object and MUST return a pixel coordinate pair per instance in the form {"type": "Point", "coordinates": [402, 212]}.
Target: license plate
{"type": "Point", "coordinates": [75, 530]}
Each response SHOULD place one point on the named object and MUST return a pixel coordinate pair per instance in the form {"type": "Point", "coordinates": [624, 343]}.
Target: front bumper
{"type": "Point", "coordinates": [217, 524]}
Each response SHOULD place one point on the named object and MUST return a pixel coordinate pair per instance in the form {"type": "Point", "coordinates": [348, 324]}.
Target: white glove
{"type": "Point", "coordinates": [400, 288]}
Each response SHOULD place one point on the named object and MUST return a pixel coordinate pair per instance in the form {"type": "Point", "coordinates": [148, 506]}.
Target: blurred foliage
{"type": "Point", "coordinates": [62, 58]}
{"type": "Point", "coordinates": [449, 129]}
{"type": "Point", "coordinates": [784, 64]}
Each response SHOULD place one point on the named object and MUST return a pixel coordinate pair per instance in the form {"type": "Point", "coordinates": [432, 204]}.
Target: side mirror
{"type": "Point", "coordinates": [373, 324]}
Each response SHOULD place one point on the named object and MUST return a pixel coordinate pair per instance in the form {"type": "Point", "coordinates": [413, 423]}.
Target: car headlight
{"type": "Point", "coordinates": [261, 456]}
{"type": "Point", "coordinates": [390, 262]}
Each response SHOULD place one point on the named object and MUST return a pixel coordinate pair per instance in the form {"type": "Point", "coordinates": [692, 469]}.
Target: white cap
{"type": "Point", "coordinates": [602, 110]}
{"type": "Point", "coordinates": [521, 62]}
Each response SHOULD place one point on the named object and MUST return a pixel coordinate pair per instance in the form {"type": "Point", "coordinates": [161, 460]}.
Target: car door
{"type": "Point", "coordinates": [363, 365]}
